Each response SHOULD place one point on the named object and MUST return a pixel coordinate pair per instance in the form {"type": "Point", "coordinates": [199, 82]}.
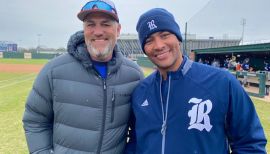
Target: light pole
{"type": "Point", "coordinates": [243, 23]}
{"type": "Point", "coordinates": [38, 45]}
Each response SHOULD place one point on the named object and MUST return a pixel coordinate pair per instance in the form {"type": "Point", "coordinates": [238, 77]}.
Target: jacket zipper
{"type": "Point", "coordinates": [113, 106]}
{"type": "Point", "coordinates": [164, 114]}
{"type": "Point", "coordinates": [104, 116]}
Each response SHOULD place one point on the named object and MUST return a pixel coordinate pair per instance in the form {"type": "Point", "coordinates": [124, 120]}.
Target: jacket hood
{"type": "Point", "coordinates": [77, 48]}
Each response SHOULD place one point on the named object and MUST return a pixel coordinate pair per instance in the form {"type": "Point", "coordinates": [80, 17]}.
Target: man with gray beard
{"type": "Point", "coordinates": [80, 101]}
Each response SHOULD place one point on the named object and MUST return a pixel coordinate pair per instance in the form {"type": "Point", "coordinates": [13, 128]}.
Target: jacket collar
{"type": "Point", "coordinates": [181, 71]}
{"type": "Point", "coordinates": [77, 48]}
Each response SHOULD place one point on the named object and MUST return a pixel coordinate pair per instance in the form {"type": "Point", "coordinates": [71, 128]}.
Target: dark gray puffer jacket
{"type": "Point", "coordinates": [72, 110]}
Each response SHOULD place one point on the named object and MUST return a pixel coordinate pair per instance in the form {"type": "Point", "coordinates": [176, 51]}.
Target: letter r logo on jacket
{"type": "Point", "coordinates": [199, 118]}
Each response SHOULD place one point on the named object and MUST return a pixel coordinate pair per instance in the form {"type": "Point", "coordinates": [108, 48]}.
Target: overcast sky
{"type": "Point", "coordinates": [53, 21]}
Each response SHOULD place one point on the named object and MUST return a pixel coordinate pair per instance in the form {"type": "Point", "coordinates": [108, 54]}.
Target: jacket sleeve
{"type": "Point", "coordinates": [244, 130]}
{"type": "Point", "coordinates": [38, 115]}
{"type": "Point", "coordinates": [131, 142]}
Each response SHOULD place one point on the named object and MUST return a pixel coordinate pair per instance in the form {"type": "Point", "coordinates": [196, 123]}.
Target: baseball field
{"type": "Point", "coordinates": [16, 79]}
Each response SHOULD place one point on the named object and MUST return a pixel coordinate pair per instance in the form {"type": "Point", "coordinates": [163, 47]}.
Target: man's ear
{"type": "Point", "coordinates": [118, 30]}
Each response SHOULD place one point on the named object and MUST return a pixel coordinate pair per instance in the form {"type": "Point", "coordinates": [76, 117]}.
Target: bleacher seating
{"type": "Point", "coordinates": [130, 46]}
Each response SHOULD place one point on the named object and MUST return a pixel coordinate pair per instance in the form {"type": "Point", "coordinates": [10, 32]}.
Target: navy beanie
{"type": "Point", "coordinates": [156, 20]}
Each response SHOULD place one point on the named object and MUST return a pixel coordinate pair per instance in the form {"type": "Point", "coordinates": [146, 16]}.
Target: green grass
{"type": "Point", "coordinates": [14, 89]}
{"type": "Point", "coordinates": [7, 76]}
{"type": "Point", "coordinates": [13, 92]}
{"type": "Point", "coordinates": [23, 61]}
{"type": "Point", "coordinates": [263, 110]}
{"type": "Point", "coordinates": [147, 71]}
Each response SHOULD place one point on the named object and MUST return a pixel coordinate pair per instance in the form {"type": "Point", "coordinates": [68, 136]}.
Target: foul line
{"type": "Point", "coordinates": [14, 83]}
{"type": "Point", "coordinates": [18, 78]}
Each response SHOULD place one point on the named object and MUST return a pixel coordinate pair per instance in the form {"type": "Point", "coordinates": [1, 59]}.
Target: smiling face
{"type": "Point", "coordinates": [100, 33]}
{"type": "Point", "coordinates": [163, 49]}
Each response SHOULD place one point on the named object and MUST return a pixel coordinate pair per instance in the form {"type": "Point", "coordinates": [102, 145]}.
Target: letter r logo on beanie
{"type": "Point", "coordinates": [151, 24]}
{"type": "Point", "coordinates": [156, 20]}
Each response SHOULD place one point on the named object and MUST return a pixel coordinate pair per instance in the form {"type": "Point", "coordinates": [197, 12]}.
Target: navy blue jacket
{"type": "Point", "coordinates": [207, 112]}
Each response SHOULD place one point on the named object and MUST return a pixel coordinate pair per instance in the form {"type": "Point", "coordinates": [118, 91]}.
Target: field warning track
{"type": "Point", "coordinates": [20, 68]}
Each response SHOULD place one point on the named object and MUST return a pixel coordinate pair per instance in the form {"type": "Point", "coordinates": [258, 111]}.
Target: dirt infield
{"type": "Point", "coordinates": [20, 68]}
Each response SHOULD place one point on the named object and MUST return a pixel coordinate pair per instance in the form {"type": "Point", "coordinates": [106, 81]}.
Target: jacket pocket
{"type": "Point", "coordinates": [119, 106]}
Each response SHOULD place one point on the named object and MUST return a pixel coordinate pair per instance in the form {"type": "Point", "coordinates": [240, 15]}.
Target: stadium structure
{"type": "Point", "coordinates": [258, 54]}
{"type": "Point", "coordinates": [193, 43]}
{"type": "Point", "coordinates": [129, 44]}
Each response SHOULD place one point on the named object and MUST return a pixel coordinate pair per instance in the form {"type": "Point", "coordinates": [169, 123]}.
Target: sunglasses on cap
{"type": "Point", "coordinates": [100, 5]}
{"type": "Point", "coordinates": [104, 6]}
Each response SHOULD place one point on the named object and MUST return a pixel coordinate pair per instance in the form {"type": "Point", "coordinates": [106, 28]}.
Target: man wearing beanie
{"type": "Point", "coordinates": [80, 101]}
{"type": "Point", "coordinates": [186, 107]}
